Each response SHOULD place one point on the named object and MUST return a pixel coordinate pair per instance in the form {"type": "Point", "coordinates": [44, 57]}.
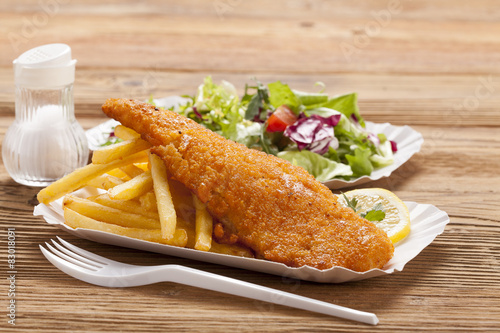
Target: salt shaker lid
{"type": "Point", "coordinates": [45, 67]}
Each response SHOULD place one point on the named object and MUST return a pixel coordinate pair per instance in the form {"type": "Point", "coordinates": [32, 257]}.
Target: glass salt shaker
{"type": "Point", "coordinates": [45, 142]}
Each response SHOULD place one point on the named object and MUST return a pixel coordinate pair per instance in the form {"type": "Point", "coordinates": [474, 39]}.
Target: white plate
{"type": "Point", "coordinates": [427, 222]}
{"type": "Point", "coordinates": [408, 140]}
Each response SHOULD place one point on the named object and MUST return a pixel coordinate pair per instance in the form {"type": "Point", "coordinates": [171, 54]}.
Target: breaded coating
{"type": "Point", "coordinates": [277, 209]}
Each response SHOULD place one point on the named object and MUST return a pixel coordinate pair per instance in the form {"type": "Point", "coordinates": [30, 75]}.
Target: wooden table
{"type": "Point", "coordinates": [432, 65]}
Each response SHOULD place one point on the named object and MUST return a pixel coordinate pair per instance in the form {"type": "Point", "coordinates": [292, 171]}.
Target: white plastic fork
{"type": "Point", "coordinates": [94, 269]}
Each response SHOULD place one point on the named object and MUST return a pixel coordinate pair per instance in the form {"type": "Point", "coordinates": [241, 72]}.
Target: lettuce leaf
{"type": "Point", "coordinates": [280, 93]}
{"type": "Point", "coordinates": [384, 155]}
{"type": "Point", "coordinates": [310, 98]}
{"type": "Point", "coordinates": [347, 104]}
{"type": "Point", "coordinates": [247, 133]}
{"type": "Point", "coordinates": [320, 167]}
{"type": "Point", "coordinates": [360, 162]}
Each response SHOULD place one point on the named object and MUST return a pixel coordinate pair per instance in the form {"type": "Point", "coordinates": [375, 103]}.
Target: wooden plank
{"type": "Point", "coordinates": [405, 99]}
{"type": "Point", "coordinates": [332, 42]}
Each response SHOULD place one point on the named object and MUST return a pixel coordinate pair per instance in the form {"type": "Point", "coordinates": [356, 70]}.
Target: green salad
{"type": "Point", "coordinates": [325, 135]}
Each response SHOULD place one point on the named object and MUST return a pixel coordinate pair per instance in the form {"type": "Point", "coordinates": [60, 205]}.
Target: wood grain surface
{"type": "Point", "coordinates": [434, 65]}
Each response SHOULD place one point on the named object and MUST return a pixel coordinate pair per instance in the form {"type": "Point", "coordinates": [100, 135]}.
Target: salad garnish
{"type": "Point", "coordinates": [111, 138]}
{"type": "Point", "coordinates": [375, 214]}
{"type": "Point", "coordinates": [325, 135]}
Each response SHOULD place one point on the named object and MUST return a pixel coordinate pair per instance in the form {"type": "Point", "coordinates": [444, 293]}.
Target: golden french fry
{"type": "Point", "coordinates": [118, 173]}
{"type": "Point", "coordinates": [166, 209]}
{"type": "Point", "coordinates": [231, 249]}
{"type": "Point", "coordinates": [148, 202]}
{"type": "Point", "coordinates": [133, 188]}
{"type": "Point", "coordinates": [76, 220]}
{"type": "Point", "coordinates": [126, 133]}
{"type": "Point", "coordinates": [189, 227]}
{"type": "Point", "coordinates": [119, 150]}
{"type": "Point", "coordinates": [131, 206]}
{"type": "Point", "coordinates": [82, 176]}
{"type": "Point", "coordinates": [105, 181]}
{"type": "Point", "coordinates": [108, 214]}
{"type": "Point", "coordinates": [143, 166]}
{"type": "Point", "coordinates": [183, 202]}
{"type": "Point", "coordinates": [204, 225]}
{"type": "Point", "coordinates": [132, 170]}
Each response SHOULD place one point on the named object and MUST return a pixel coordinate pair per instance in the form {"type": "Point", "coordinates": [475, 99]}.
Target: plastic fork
{"type": "Point", "coordinates": [94, 269]}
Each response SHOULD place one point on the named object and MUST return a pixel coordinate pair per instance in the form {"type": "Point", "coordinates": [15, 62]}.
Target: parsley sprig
{"type": "Point", "coordinates": [376, 213]}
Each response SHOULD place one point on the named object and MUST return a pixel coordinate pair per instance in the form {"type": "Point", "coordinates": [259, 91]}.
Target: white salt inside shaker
{"type": "Point", "coordinates": [45, 142]}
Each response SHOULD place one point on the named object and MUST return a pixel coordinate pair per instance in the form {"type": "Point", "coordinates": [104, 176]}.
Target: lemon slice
{"type": "Point", "coordinates": [396, 222]}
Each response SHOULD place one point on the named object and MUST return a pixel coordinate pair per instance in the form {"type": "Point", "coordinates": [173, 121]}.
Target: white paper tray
{"type": "Point", "coordinates": [427, 222]}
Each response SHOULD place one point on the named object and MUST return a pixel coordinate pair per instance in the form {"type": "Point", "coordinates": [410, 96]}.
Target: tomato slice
{"type": "Point", "coordinates": [280, 119]}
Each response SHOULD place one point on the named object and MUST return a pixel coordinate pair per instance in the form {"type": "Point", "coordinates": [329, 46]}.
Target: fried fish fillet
{"type": "Point", "coordinates": [277, 209]}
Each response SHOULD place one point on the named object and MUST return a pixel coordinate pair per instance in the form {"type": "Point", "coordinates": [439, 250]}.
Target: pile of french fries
{"type": "Point", "coordinates": [136, 199]}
